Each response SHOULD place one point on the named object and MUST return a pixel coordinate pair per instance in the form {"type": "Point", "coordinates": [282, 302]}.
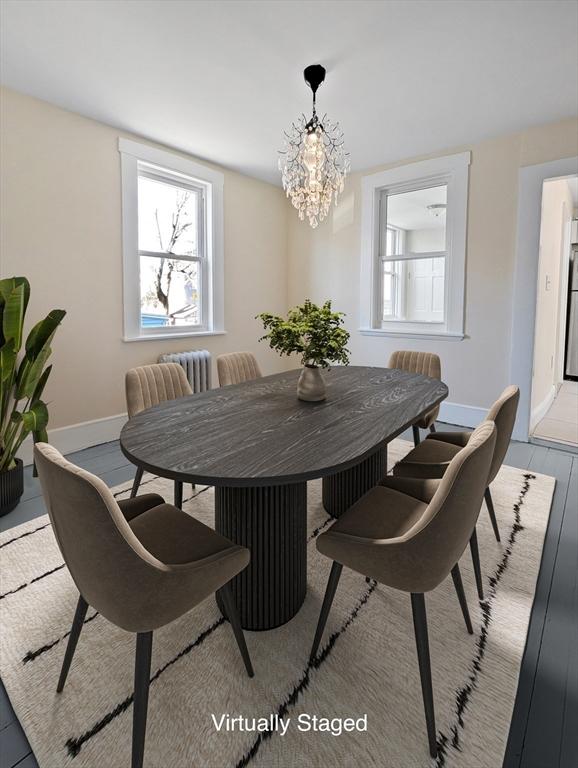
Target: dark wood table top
{"type": "Point", "coordinates": [258, 433]}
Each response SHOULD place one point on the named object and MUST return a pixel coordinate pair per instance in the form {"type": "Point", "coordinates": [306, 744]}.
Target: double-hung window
{"type": "Point", "coordinates": [172, 242]}
{"type": "Point", "coordinates": [413, 249]}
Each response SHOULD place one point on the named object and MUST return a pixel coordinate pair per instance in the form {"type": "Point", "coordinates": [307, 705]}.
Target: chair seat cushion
{"type": "Point", "coordinates": [175, 538]}
{"type": "Point", "coordinates": [429, 459]}
{"type": "Point", "coordinates": [383, 513]}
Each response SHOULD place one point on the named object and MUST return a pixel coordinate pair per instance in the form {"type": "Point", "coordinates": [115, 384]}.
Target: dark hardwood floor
{"type": "Point", "coordinates": [543, 732]}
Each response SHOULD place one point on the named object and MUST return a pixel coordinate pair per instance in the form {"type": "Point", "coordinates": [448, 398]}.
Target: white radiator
{"type": "Point", "coordinates": [197, 365]}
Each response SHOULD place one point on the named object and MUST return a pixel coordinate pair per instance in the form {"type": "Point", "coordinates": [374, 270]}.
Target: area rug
{"type": "Point", "coordinates": [367, 668]}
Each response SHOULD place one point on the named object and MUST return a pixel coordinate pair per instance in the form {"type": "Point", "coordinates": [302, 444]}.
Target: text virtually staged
{"type": "Point", "coordinates": [275, 723]}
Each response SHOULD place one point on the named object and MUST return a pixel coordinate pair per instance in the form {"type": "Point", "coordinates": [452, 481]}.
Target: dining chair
{"type": "Point", "coordinates": [427, 364]}
{"type": "Point", "coordinates": [412, 543]}
{"type": "Point", "coordinates": [237, 367]}
{"type": "Point", "coordinates": [432, 457]}
{"type": "Point", "coordinates": [140, 563]}
{"type": "Point", "coordinates": [150, 385]}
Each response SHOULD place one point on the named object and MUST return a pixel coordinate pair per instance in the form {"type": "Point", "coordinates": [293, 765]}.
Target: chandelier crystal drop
{"type": "Point", "coordinates": [313, 161]}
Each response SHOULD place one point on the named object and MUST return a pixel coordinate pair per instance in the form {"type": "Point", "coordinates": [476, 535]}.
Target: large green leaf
{"type": "Point", "coordinates": [30, 372]}
{"type": "Point", "coordinates": [7, 360]}
{"type": "Point", "coordinates": [13, 311]}
{"type": "Point", "coordinates": [39, 388]}
{"type": "Point", "coordinates": [43, 332]}
{"type": "Point", "coordinates": [34, 419]}
{"type": "Point", "coordinates": [6, 287]}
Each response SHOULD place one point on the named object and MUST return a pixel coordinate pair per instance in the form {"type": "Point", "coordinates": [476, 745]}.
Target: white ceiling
{"type": "Point", "coordinates": [221, 80]}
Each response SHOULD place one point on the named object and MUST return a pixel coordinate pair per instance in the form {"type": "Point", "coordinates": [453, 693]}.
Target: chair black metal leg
{"type": "Point", "coordinates": [178, 494]}
{"type": "Point", "coordinates": [332, 583]}
{"type": "Point", "coordinates": [476, 563]}
{"type": "Point", "coordinates": [142, 675]}
{"type": "Point", "coordinates": [233, 616]}
{"type": "Point", "coordinates": [457, 577]}
{"type": "Point", "coordinates": [432, 428]}
{"type": "Point", "coordinates": [416, 437]}
{"type": "Point", "coordinates": [422, 645]}
{"type": "Point", "coordinates": [490, 504]}
{"type": "Point", "coordinates": [77, 624]}
{"type": "Point", "coordinates": [136, 482]}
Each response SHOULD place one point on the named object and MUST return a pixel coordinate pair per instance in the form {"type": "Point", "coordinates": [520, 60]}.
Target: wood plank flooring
{"type": "Point", "coordinates": [543, 731]}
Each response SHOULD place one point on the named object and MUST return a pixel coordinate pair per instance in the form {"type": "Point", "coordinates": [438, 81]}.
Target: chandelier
{"type": "Point", "coordinates": [313, 161]}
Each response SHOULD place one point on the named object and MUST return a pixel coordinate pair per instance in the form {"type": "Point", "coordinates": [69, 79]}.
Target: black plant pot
{"type": "Point", "coordinates": [11, 488]}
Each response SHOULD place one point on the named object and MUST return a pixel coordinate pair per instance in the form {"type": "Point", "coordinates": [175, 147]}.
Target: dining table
{"type": "Point", "coordinates": [258, 445]}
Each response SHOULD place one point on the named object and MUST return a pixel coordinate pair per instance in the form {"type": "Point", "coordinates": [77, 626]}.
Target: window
{"type": "Point", "coordinates": [172, 242]}
{"type": "Point", "coordinates": [413, 249]}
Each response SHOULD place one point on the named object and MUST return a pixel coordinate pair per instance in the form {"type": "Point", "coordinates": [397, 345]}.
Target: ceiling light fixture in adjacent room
{"type": "Point", "coordinates": [437, 209]}
{"type": "Point", "coordinates": [313, 161]}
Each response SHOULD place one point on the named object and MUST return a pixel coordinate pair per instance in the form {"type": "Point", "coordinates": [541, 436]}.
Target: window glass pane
{"type": "Point", "coordinates": [170, 292]}
{"type": "Point", "coordinates": [413, 290]}
{"type": "Point", "coordinates": [417, 218]}
{"type": "Point", "coordinates": [167, 217]}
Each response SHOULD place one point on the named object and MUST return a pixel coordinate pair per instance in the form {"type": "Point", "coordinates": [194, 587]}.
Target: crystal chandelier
{"type": "Point", "coordinates": [313, 161]}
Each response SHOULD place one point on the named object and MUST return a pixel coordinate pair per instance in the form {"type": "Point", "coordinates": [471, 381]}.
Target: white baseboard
{"type": "Point", "coordinates": [542, 408]}
{"type": "Point", "coordinates": [78, 436]}
{"type": "Point", "coordinates": [461, 415]}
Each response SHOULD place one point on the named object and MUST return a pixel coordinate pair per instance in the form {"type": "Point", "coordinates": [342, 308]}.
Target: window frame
{"type": "Point", "coordinates": [166, 166]}
{"type": "Point", "coordinates": [452, 170]}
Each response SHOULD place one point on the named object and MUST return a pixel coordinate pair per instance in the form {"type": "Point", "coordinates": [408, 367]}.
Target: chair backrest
{"type": "Point", "coordinates": [425, 363]}
{"type": "Point", "coordinates": [153, 384]}
{"type": "Point", "coordinates": [109, 565]}
{"type": "Point", "coordinates": [237, 367]}
{"type": "Point", "coordinates": [503, 414]}
{"type": "Point", "coordinates": [430, 549]}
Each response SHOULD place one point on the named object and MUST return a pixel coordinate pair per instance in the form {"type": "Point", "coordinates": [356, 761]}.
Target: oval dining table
{"type": "Point", "coordinates": [258, 445]}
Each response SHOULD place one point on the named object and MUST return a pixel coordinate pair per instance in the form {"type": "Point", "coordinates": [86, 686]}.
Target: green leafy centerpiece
{"type": "Point", "coordinates": [316, 333]}
{"type": "Point", "coordinates": [22, 382]}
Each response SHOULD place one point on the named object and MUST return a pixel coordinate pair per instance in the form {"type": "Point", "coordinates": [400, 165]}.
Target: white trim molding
{"type": "Point", "coordinates": [442, 336]}
{"type": "Point", "coordinates": [530, 182]}
{"type": "Point", "coordinates": [78, 436]}
{"type": "Point", "coordinates": [542, 408]}
{"type": "Point", "coordinates": [212, 183]}
{"type": "Point", "coordinates": [452, 170]}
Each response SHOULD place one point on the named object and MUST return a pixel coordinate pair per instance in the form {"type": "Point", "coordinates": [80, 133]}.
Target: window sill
{"type": "Point", "coordinates": [159, 336]}
{"type": "Point", "coordinates": [442, 335]}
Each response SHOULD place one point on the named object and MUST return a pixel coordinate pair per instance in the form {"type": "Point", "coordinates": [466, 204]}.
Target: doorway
{"type": "Point", "coordinates": [554, 395]}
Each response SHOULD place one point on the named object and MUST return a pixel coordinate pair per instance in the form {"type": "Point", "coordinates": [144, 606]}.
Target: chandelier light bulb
{"type": "Point", "coordinates": [313, 162]}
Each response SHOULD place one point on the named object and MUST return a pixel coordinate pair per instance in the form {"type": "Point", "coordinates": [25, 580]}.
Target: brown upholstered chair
{"type": "Point", "coordinates": [432, 457]}
{"type": "Point", "coordinates": [141, 563]}
{"type": "Point", "coordinates": [410, 535]}
{"type": "Point", "coordinates": [237, 367]}
{"type": "Point", "coordinates": [150, 385]}
{"type": "Point", "coordinates": [427, 364]}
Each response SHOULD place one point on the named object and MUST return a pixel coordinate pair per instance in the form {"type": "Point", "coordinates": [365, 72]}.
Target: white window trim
{"type": "Point", "coordinates": [131, 152]}
{"type": "Point", "coordinates": [452, 170]}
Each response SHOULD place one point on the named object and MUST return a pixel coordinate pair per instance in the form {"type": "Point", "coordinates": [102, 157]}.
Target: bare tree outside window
{"type": "Point", "coordinates": [168, 246]}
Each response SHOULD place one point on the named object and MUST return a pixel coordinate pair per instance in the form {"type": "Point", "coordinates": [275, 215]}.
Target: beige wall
{"type": "Point", "coordinates": [61, 227]}
{"type": "Point", "coordinates": [557, 209]}
{"type": "Point", "coordinates": [325, 263]}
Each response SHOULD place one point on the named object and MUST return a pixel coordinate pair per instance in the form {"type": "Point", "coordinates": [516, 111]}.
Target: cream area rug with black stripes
{"type": "Point", "coordinates": [367, 664]}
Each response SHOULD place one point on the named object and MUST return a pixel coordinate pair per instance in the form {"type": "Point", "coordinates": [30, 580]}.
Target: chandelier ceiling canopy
{"type": "Point", "coordinates": [313, 161]}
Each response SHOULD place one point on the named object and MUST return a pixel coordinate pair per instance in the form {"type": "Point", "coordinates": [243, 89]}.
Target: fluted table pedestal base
{"type": "Point", "coordinates": [343, 489]}
{"type": "Point", "coordinates": [271, 522]}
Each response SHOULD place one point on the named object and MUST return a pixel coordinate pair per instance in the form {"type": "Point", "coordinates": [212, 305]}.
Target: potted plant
{"type": "Point", "coordinates": [22, 381]}
{"type": "Point", "coordinates": [316, 333]}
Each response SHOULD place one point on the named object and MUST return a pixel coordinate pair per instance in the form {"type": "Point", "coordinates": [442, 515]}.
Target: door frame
{"type": "Point", "coordinates": [525, 287]}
